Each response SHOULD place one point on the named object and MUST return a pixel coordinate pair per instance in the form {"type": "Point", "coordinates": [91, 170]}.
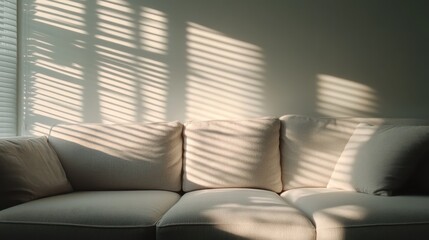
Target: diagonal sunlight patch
{"type": "Point", "coordinates": [341, 97]}
{"type": "Point", "coordinates": [153, 30]}
{"type": "Point", "coordinates": [66, 15]}
{"type": "Point", "coordinates": [117, 81]}
{"type": "Point", "coordinates": [53, 99]}
{"type": "Point", "coordinates": [106, 63]}
{"type": "Point", "coordinates": [131, 87]}
{"type": "Point", "coordinates": [53, 83]}
{"type": "Point", "coordinates": [225, 76]}
{"type": "Point", "coordinates": [153, 78]}
{"type": "Point", "coordinates": [128, 151]}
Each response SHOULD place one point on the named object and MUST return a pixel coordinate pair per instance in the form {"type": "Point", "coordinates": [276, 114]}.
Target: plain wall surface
{"type": "Point", "coordinates": [132, 61]}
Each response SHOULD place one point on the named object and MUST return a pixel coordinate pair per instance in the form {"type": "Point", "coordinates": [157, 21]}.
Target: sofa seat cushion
{"type": "Point", "coordinates": [88, 215]}
{"type": "Point", "coordinates": [235, 213]}
{"type": "Point", "coordinates": [339, 214]}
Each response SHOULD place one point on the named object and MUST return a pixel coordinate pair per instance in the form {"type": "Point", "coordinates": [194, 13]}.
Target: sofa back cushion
{"type": "Point", "coordinates": [418, 183]}
{"type": "Point", "coordinates": [381, 159]}
{"type": "Point", "coordinates": [29, 169]}
{"type": "Point", "coordinates": [227, 154]}
{"type": "Point", "coordinates": [120, 156]}
{"type": "Point", "coordinates": [311, 146]}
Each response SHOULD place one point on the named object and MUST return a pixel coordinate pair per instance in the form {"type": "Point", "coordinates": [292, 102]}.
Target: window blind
{"type": "Point", "coordinates": [8, 68]}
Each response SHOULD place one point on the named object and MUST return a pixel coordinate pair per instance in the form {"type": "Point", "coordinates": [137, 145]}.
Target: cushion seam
{"type": "Point", "coordinates": [74, 224]}
{"type": "Point", "coordinates": [208, 224]}
{"type": "Point", "coordinates": [375, 225]}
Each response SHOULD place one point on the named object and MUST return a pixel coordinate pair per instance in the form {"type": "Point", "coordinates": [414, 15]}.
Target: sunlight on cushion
{"type": "Point", "coordinates": [232, 154]}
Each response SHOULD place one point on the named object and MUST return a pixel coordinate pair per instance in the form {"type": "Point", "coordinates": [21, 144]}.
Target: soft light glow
{"type": "Point", "coordinates": [117, 95]}
{"type": "Point", "coordinates": [342, 97]}
{"type": "Point", "coordinates": [112, 140]}
{"type": "Point", "coordinates": [54, 99]}
{"type": "Point", "coordinates": [154, 81]}
{"type": "Point", "coordinates": [73, 71]}
{"type": "Point", "coordinates": [243, 216]}
{"type": "Point", "coordinates": [213, 37]}
{"type": "Point", "coordinates": [111, 19]}
{"type": "Point", "coordinates": [131, 88]}
{"type": "Point", "coordinates": [66, 15]}
{"type": "Point", "coordinates": [122, 6]}
{"type": "Point", "coordinates": [314, 157]}
{"type": "Point", "coordinates": [345, 167]}
{"type": "Point", "coordinates": [115, 40]}
{"type": "Point", "coordinates": [153, 31]}
{"type": "Point", "coordinates": [115, 63]}
{"type": "Point", "coordinates": [225, 76]}
{"type": "Point", "coordinates": [53, 90]}
{"type": "Point", "coordinates": [67, 5]}
{"type": "Point", "coordinates": [39, 128]}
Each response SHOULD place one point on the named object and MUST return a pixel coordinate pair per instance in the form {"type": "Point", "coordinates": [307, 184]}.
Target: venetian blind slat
{"type": "Point", "coordinates": [8, 68]}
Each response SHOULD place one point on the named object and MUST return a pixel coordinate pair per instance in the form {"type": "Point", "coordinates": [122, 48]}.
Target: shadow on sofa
{"type": "Point", "coordinates": [339, 214]}
{"type": "Point", "coordinates": [231, 179]}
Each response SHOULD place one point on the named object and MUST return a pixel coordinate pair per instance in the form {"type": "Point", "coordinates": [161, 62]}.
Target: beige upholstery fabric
{"type": "Point", "coordinates": [234, 214]}
{"type": "Point", "coordinates": [120, 156]}
{"type": "Point", "coordinates": [88, 215]}
{"type": "Point", "coordinates": [311, 146]}
{"type": "Point", "coordinates": [222, 154]}
{"type": "Point", "coordinates": [347, 215]}
{"type": "Point", "coordinates": [380, 159]}
{"type": "Point", "coordinates": [29, 169]}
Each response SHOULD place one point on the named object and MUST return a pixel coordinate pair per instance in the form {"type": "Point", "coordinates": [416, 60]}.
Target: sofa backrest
{"type": "Point", "coordinates": [120, 156]}
{"type": "Point", "coordinates": [311, 146]}
{"type": "Point", "coordinates": [295, 152]}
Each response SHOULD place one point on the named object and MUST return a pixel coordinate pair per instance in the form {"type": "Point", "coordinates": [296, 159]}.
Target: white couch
{"type": "Point", "coordinates": [294, 177]}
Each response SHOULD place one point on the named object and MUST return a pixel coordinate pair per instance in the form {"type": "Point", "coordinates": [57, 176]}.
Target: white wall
{"type": "Point", "coordinates": [161, 60]}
